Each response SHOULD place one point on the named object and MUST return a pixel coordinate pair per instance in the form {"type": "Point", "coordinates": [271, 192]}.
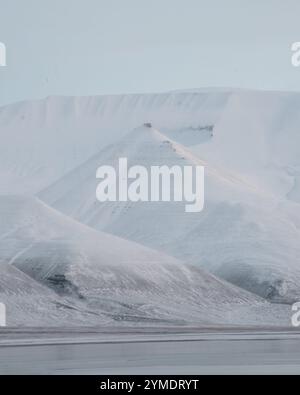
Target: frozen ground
{"type": "Point", "coordinates": [174, 351]}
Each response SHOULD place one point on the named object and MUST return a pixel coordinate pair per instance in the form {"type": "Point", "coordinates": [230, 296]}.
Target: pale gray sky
{"type": "Point", "coordinates": [87, 47]}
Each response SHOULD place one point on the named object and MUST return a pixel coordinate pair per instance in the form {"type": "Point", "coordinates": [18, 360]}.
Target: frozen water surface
{"type": "Point", "coordinates": [189, 352]}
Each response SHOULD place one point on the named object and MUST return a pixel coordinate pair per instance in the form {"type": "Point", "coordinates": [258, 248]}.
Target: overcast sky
{"type": "Point", "coordinates": [87, 47]}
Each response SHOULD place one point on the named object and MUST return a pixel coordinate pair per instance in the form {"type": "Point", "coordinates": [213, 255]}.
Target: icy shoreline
{"type": "Point", "coordinates": [55, 336]}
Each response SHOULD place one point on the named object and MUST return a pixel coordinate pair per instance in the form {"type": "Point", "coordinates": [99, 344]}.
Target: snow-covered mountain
{"type": "Point", "coordinates": [257, 136]}
{"type": "Point", "coordinates": [43, 140]}
{"type": "Point", "coordinates": [103, 278]}
{"type": "Point", "coordinates": [248, 232]}
{"type": "Point", "coordinates": [241, 236]}
{"type": "Point", "coordinates": [29, 303]}
{"type": "Point", "coordinates": [253, 133]}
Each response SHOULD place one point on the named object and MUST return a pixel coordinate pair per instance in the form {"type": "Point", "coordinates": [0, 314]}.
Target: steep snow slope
{"type": "Point", "coordinates": [249, 142]}
{"type": "Point", "coordinates": [29, 303]}
{"type": "Point", "coordinates": [257, 135]}
{"type": "Point", "coordinates": [43, 140]}
{"type": "Point", "coordinates": [112, 279]}
{"type": "Point", "coordinates": [254, 134]}
{"type": "Point", "coordinates": [240, 235]}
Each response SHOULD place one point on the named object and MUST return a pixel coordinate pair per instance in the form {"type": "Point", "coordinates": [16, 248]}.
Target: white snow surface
{"type": "Point", "coordinates": [248, 232]}
{"type": "Point", "coordinates": [245, 234]}
{"type": "Point", "coordinates": [50, 259]}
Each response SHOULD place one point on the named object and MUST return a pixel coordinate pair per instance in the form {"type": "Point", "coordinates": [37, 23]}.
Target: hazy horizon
{"type": "Point", "coordinates": [110, 47]}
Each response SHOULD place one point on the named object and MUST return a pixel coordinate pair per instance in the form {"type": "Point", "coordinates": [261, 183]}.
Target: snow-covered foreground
{"type": "Point", "coordinates": [179, 353]}
{"type": "Point", "coordinates": [64, 257]}
{"type": "Point", "coordinates": [88, 277]}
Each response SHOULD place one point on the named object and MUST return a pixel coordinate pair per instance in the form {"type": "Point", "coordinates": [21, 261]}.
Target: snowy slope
{"type": "Point", "coordinates": [29, 303]}
{"type": "Point", "coordinates": [257, 135]}
{"type": "Point", "coordinates": [106, 279]}
{"type": "Point", "coordinates": [248, 141]}
{"type": "Point", "coordinates": [42, 140]}
{"type": "Point", "coordinates": [240, 236]}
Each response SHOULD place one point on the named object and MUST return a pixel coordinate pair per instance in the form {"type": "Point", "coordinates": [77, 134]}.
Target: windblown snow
{"type": "Point", "coordinates": [51, 260]}
{"type": "Point", "coordinates": [100, 263]}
